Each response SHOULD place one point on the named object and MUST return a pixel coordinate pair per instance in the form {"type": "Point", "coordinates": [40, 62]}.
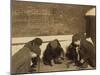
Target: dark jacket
{"type": "Point", "coordinates": [71, 52]}
{"type": "Point", "coordinates": [50, 53]}
{"type": "Point", "coordinates": [88, 53]}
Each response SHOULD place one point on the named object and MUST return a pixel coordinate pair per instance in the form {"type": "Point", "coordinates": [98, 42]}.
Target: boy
{"type": "Point", "coordinates": [21, 60]}
{"type": "Point", "coordinates": [86, 50]}
{"type": "Point", "coordinates": [53, 52]}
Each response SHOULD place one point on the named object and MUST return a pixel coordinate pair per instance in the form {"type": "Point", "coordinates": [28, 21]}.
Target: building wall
{"type": "Point", "coordinates": [35, 19]}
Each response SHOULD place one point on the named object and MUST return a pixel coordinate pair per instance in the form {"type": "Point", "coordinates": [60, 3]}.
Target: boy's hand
{"type": "Point", "coordinates": [82, 61]}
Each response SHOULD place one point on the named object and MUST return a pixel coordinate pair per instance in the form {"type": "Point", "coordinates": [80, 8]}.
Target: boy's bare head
{"type": "Point", "coordinates": [76, 38]}
{"type": "Point", "coordinates": [55, 43]}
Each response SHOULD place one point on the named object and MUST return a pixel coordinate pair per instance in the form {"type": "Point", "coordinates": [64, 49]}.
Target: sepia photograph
{"type": "Point", "coordinates": [52, 37]}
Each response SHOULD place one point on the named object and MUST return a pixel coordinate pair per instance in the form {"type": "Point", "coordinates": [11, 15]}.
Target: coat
{"type": "Point", "coordinates": [71, 53]}
{"type": "Point", "coordinates": [88, 53]}
{"type": "Point", "coordinates": [22, 59]}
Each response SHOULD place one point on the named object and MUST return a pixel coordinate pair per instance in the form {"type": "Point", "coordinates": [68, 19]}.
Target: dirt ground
{"type": "Point", "coordinates": [65, 66]}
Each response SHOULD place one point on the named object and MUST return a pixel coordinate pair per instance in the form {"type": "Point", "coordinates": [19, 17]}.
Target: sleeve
{"type": "Point", "coordinates": [87, 50]}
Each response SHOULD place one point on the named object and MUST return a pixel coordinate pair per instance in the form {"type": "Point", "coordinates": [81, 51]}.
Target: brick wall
{"type": "Point", "coordinates": [34, 19]}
